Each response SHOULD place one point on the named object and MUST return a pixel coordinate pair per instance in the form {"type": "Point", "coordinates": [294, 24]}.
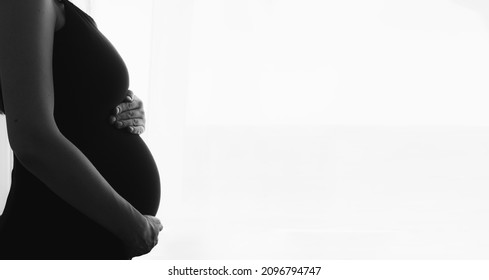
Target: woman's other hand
{"type": "Point", "coordinates": [129, 114]}
{"type": "Point", "coordinates": [146, 239]}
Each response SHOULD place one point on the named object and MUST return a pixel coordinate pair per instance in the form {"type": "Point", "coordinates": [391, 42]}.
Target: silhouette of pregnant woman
{"type": "Point", "coordinates": [81, 188]}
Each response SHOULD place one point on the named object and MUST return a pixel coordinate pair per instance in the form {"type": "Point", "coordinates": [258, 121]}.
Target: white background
{"type": "Point", "coordinates": [311, 129]}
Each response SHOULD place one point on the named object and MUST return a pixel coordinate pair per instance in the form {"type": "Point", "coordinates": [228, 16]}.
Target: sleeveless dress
{"type": "Point", "coordinates": [90, 80]}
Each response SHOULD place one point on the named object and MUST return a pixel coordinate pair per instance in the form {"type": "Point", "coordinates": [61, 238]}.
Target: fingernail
{"type": "Point", "coordinates": [117, 110]}
{"type": "Point", "coordinates": [131, 129]}
{"type": "Point", "coordinates": [119, 124]}
{"type": "Point", "coordinates": [129, 98]}
{"type": "Point", "coordinates": [112, 119]}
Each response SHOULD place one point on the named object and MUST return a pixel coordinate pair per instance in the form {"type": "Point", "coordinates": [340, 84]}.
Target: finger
{"type": "Point", "coordinates": [125, 106]}
{"type": "Point", "coordinates": [129, 122]}
{"type": "Point", "coordinates": [136, 129]}
{"type": "Point", "coordinates": [130, 114]}
{"type": "Point", "coordinates": [159, 225]}
{"type": "Point", "coordinates": [129, 96]}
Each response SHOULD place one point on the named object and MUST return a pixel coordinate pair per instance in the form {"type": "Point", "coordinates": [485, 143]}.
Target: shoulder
{"type": "Point", "coordinates": [16, 10]}
{"type": "Point", "coordinates": [21, 20]}
{"type": "Point", "coordinates": [29, 4]}
{"type": "Point", "coordinates": [28, 27]}
{"type": "Point", "coordinates": [25, 12]}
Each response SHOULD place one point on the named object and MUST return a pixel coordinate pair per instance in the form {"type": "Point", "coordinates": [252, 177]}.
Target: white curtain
{"type": "Point", "coordinates": [312, 129]}
{"type": "Point", "coordinates": [5, 163]}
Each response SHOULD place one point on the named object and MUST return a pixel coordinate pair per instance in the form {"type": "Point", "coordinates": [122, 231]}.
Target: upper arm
{"type": "Point", "coordinates": [26, 35]}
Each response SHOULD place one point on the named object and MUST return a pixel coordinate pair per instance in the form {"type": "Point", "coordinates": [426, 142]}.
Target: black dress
{"type": "Point", "coordinates": [90, 79]}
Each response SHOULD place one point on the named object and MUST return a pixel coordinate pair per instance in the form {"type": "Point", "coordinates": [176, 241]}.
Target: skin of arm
{"type": "Point", "coordinates": [26, 72]}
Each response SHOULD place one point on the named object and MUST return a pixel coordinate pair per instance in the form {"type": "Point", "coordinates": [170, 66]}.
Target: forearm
{"type": "Point", "coordinates": [69, 174]}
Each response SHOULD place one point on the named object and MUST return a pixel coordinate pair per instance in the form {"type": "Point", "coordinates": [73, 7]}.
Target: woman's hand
{"type": "Point", "coordinates": [146, 239]}
{"type": "Point", "coordinates": [129, 114]}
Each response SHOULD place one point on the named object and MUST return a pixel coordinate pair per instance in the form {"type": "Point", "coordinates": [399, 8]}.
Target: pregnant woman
{"type": "Point", "coordinates": [81, 188]}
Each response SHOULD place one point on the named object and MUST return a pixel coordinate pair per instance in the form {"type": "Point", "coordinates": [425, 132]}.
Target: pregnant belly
{"type": "Point", "coordinates": [125, 162]}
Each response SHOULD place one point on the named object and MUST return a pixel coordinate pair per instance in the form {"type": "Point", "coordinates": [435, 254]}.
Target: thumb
{"type": "Point", "coordinates": [130, 96]}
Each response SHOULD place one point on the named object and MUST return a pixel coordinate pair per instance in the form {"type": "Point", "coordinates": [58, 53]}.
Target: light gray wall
{"type": "Point", "coordinates": [5, 163]}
